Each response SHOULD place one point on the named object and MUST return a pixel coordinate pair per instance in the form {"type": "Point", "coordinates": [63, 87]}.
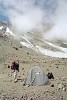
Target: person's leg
{"type": "Point", "coordinates": [15, 76]}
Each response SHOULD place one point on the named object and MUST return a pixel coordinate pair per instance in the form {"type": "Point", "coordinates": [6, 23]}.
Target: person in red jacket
{"type": "Point", "coordinates": [15, 67]}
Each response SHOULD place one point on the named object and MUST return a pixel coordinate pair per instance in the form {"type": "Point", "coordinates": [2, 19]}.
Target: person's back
{"type": "Point", "coordinates": [17, 67]}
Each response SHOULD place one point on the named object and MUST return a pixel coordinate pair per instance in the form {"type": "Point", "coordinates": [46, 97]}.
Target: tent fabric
{"type": "Point", "coordinates": [36, 76]}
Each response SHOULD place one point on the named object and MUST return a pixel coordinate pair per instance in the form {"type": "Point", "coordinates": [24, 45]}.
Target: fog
{"type": "Point", "coordinates": [59, 30]}
{"type": "Point", "coordinates": [26, 15]}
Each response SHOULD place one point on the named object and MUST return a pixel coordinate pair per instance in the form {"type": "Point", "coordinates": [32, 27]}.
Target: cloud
{"type": "Point", "coordinates": [59, 30]}
{"type": "Point", "coordinates": [26, 15]}
{"type": "Point", "coordinates": [26, 21]}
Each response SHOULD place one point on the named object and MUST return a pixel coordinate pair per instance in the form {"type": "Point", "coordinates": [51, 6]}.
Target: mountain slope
{"type": "Point", "coordinates": [36, 43]}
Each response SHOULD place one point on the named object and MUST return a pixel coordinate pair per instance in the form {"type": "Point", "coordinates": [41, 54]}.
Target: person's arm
{"type": "Point", "coordinates": [18, 67]}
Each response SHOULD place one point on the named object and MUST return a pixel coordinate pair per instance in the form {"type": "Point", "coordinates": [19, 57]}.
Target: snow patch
{"type": "Point", "coordinates": [1, 27]}
{"type": "Point", "coordinates": [51, 53]}
{"type": "Point", "coordinates": [65, 43]}
{"type": "Point", "coordinates": [59, 54]}
{"type": "Point", "coordinates": [8, 32]}
{"type": "Point", "coordinates": [26, 45]}
{"type": "Point", "coordinates": [26, 39]}
{"type": "Point", "coordinates": [58, 47]}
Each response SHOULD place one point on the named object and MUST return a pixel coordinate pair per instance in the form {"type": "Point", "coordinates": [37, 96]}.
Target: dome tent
{"type": "Point", "coordinates": [36, 76]}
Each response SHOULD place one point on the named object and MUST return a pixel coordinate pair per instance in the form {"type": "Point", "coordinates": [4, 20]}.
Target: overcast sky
{"type": "Point", "coordinates": [22, 7]}
{"type": "Point", "coordinates": [26, 15]}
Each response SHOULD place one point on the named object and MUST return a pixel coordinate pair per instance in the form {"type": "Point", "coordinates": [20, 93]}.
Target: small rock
{"type": "Point", "coordinates": [47, 69]}
{"type": "Point", "coordinates": [50, 66]}
{"type": "Point", "coordinates": [60, 86]}
{"type": "Point", "coordinates": [23, 84]}
{"type": "Point", "coordinates": [28, 53]}
{"type": "Point", "coordinates": [15, 48]}
{"type": "Point", "coordinates": [27, 85]}
{"type": "Point", "coordinates": [57, 67]}
{"type": "Point", "coordinates": [52, 85]}
{"type": "Point", "coordinates": [20, 46]}
{"type": "Point", "coordinates": [24, 62]}
{"type": "Point", "coordinates": [23, 73]}
{"type": "Point", "coordinates": [8, 66]}
{"type": "Point", "coordinates": [64, 89]}
{"type": "Point", "coordinates": [22, 68]}
{"type": "Point", "coordinates": [61, 97]}
{"type": "Point", "coordinates": [21, 97]}
{"type": "Point", "coordinates": [31, 99]}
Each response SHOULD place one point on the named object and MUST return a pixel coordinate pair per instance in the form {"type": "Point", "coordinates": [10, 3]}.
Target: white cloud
{"type": "Point", "coordinates": [59, 31]}
{"type": "Point", "coordinates": [25, 15]}
{"type": "Point", "coordinates": [27, 21]}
